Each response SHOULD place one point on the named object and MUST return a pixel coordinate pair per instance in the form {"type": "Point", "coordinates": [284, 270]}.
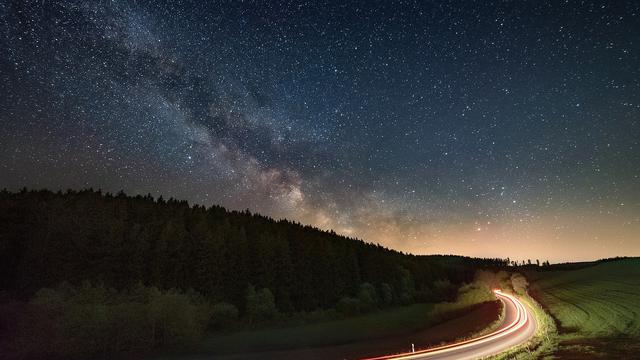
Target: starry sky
{"type": "Point", "coordinates": [480, 128]}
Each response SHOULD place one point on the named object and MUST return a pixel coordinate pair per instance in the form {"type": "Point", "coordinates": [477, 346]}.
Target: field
{"type": "Point", "coordinates": [377, 333]}
{"type": "Point", "coordinates": [597, 307]}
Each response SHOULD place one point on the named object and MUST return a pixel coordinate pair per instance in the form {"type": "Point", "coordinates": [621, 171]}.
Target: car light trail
{"type": "Point", "coordinates": [518, 324]}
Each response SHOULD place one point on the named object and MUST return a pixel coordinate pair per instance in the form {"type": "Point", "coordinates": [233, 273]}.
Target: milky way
{"type": "Point", "coordinates": [477, 128]}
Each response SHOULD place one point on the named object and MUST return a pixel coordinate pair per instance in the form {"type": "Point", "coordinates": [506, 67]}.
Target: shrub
{"type": "Point", "coordinates": [348, 306]}
{"type": "Point", "coordinates": [474, 293]}
{"type": "Point", "coordinates": [367, 297]}
{"type": "Point", "coordinates": [493, 280]}
{"type": "Point", "coordinates": [222, 315]}
{"type": "Point", "coordinates": [94, 321]}
{"type": "Point", "coordinates": [176, 320]}
{"type": "Point", "coordinates": [261, 305]}
{"type": "Point", "coordinates": [407, 287]}
{"type": "Point", "coordinates": [386, 294]}
{"type": "Point", "coordinates": [519, 283]}
{"type": "Point", "coordinates": [443, 289]}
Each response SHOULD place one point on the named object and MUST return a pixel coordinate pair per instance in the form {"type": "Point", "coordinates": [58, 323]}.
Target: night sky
{"type": "Point", "coordinates": [469, 127]}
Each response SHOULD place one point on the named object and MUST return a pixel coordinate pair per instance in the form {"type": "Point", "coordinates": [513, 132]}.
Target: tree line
{"type": "Point", "coordinates": [242, 264]}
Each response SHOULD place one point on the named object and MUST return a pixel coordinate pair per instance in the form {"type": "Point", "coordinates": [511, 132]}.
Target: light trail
{"type": "Point", "coordinates": [514, 333]}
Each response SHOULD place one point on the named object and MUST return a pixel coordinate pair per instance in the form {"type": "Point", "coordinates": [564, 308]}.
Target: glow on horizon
{"type": "Point", "coordinates": [557, 238]}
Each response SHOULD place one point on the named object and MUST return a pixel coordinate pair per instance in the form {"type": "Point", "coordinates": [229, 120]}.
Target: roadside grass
{"type": "Point", "coordinates": [388, 323]}
{"type": "Point", "coordinates": [374, 325]}
{"type": "Point", "coordinates": [597, 308]}
{"type": "Point", "coordinates": [544, 342]}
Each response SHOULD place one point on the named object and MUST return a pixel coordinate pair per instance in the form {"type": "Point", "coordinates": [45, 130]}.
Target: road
{"type": "Point", "coordinates": [519, 326]}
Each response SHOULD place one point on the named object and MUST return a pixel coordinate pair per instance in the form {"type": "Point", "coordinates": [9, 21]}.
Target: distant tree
{"type": "Point", "coordinates": [537, 262]}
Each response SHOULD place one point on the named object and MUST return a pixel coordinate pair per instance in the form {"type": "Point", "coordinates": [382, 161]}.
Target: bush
{"type": "Point", "coordinates": [425, 295]}
{"type": "Point", "coordinates": [386, 294]}
{"type": "Point", "coordinates": [474, 293]}
{"type": "Point", "coordinates": [443, 289]}
{"type": "Point", "coordinates": [176, 320]}
{"type": "Point", "coordinates": [95, 321]}
{"type": "Point", "coordinates": [348, 306]}
{"type": "Point", "coordinates": [407, 287]}
{"type": "Point", "coordinates": [367, 297]}
{"type": "Point", "coordinates": [223, 315]}
{"type": "Point", "coordinates": [493, 280]}
{"type": "Point", "coordinates": [519, 283]}
{"type": "Point", "coordinates": [261, 305]}
{"type": "Point", "coordinates": [130, 324]}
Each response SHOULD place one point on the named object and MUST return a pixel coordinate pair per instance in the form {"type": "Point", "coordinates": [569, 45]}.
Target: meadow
{"type": "Point", "coordinates": [380, 332]}
{"type": "Point", "coordinates": [597, 307]}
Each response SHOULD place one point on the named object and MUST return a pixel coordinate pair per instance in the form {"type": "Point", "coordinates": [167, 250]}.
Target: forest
{"type": "Point", "coordinates": [68, 250]}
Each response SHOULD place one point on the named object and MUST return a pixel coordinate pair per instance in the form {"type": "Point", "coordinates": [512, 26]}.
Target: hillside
{"type": "Point", "coordinates": [99, 266]}
{"type": "Point", "coordinates": [118, 241]}
{"type": "Point", "coordinates": [597, 307]}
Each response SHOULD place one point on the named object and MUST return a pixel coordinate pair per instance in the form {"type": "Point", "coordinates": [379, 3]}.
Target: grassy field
{"type": "Point", "coordinates": [375, 325]}
{"type": "Point", "coordinates": [384, 331]}
{"type": "Point", "coordinates": [597, 307]}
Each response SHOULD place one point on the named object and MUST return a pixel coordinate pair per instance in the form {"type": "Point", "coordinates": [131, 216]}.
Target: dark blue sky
{"type": "Point", "coordinates": [465, 127]}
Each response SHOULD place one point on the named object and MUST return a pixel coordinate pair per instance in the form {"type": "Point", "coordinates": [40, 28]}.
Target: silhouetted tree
{"type": "Point", "coordinates": [47, 238]}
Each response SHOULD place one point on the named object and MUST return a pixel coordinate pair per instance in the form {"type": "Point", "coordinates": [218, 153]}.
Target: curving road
{"type": "Point", "coordinates": [519, 326]}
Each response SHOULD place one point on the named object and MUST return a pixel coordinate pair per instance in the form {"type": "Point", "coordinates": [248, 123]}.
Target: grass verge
{"type": "Point", "coordinates": [379, 332]}
{"type": "Point", "coordinates": [374, 325]}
